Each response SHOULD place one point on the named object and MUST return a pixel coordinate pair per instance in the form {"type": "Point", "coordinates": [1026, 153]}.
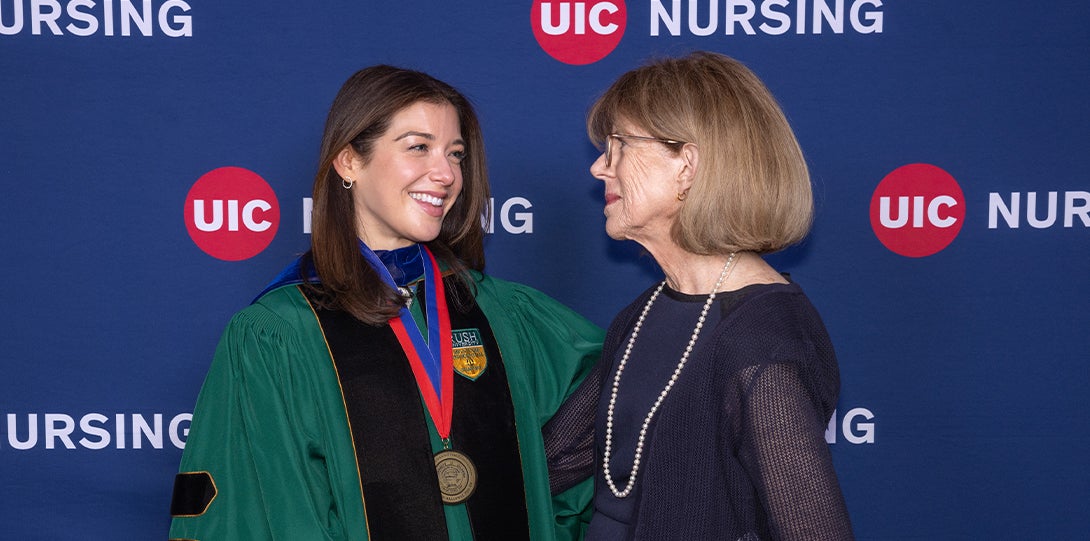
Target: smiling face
{"type": "Point", "coordinates": [641, 186]}
{"type": "Point", "coordinates": [412, 179]}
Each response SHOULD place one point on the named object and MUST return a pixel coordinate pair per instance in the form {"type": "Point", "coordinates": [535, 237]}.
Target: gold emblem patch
{"type": "Point", "coordinates": [469, 357]}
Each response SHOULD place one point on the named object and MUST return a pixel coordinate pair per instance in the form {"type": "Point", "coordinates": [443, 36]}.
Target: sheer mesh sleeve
{"type": "Point", "coordinates": [785, 452]}
{"type": "Point", "coordinates": [569, 435]}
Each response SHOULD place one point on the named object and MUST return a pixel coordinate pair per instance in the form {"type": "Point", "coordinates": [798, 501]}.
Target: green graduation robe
{"type": "Point", "coordinates": [271, 433]}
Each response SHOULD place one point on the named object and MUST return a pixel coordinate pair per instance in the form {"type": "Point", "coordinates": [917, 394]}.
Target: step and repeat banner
{"type": "Point", "coordinates": [156, 159]}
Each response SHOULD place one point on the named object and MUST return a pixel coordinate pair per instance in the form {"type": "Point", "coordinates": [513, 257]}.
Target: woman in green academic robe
{"type": "Point", "coordinates": [383, 387]}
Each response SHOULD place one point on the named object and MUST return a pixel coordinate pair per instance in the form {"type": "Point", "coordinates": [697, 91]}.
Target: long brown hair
{"type": "Point", "coordinates": [360, 114]}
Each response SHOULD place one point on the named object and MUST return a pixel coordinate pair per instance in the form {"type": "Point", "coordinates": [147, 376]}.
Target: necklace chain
{"type": "Point", "coordinates": [406, 295]}
{"type": "Point", "coordinates": [727, 268]}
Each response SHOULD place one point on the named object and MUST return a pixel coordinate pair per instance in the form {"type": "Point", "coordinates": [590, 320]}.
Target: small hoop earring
{"type": "Point", "coordinates": [347, 183]}
{"type": "Point", "coordinates": [681, 196]}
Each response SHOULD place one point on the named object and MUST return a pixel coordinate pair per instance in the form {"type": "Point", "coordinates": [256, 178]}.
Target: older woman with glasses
{"type": "Point", "coordinates": [718, 381]}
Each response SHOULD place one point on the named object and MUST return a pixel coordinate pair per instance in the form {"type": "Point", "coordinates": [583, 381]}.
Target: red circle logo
{"type": "Point", "coordinates": [231, 213]}
{"type": "Point", "coordinates": [917, 210]}
{"type": "Point", "coordinates": [578, 32]}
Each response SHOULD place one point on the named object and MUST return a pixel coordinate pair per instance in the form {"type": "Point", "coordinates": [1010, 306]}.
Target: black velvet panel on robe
{"type": "Point", "coordinates": [387, 417]}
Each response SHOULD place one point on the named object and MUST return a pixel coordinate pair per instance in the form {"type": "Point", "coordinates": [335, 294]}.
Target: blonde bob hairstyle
{"type": "Point", "coordinates": [751, 190]}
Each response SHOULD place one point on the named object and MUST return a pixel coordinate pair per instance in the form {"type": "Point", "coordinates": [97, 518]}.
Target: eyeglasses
{"type": "Point", "coordinates": [612, 136]}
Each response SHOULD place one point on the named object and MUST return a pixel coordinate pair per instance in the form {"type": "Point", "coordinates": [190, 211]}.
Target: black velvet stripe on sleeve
{"type": "Point", "coordinates": [193, 493]}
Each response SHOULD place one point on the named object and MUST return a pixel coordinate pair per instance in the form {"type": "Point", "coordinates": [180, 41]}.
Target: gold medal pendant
{"type": "Point", "coordinates": [457, 476]}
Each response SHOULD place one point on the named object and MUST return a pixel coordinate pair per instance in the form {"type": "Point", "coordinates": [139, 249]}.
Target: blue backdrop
{"type": "Point", "coordinates": [962, 413]}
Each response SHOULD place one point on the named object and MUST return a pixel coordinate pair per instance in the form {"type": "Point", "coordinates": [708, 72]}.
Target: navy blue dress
{"type": "Point", "coordinates": [737, 449]}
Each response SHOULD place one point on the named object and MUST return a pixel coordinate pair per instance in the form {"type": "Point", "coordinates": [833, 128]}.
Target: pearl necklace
{"type": "Point", "coordinates": [727, 268]}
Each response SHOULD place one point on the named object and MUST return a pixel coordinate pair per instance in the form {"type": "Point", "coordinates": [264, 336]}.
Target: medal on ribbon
{"type": "Point", "coordinates": [457, 476]}
{"type": "Point", "coordinates": [433, 361]}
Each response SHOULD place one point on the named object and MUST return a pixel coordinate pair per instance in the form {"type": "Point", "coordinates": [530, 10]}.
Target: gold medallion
{"type": "Point", "coordinates": [457, 476]}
